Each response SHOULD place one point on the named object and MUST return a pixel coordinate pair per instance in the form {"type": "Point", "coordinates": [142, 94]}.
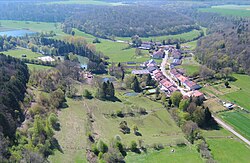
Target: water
{"type": "Point", "coordinates": [17, 33]}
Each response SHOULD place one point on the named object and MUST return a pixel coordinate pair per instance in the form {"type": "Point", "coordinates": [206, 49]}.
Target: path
{"type": "Point", "coordinates": [229, 128]}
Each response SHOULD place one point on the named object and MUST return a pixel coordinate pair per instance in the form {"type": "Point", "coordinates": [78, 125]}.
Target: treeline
{"type": "Point", "coordinates": [13, 78]}
{"type": "Point", "coordinates": [226, 46]}
{"type": "Point", "coordinates": [130, 20]}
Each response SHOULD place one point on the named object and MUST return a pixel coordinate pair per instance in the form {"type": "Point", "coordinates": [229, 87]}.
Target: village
{"type": "Point", "coordinates": [169, 77]}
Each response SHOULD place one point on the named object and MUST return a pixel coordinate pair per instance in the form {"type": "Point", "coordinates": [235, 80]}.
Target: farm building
{"type": "Point", "coordinates": [198, 94]}
{"type": "Point", "coordinates": [158, 55]}
{"type": "Point", "coordinates": [191, 85]}
{"type": "Point", "coordinates": [176, 62]}
{"type": "Point", "coordinates": [140, 72]}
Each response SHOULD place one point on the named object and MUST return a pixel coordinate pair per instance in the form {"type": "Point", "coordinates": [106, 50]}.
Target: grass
{"type": "Point", "coordinates": [190, 66]}
{"type": "Point", "coordinates": [86, 2]}
{"type": "Point", "coordinates": [239, 120]}
{"type": "Point", "coordinates": [156, 127]}
{"type": "Point", "coordinates": [229, 10]}
{"type": "Point", "coordinates": [181, 154]}
{"type": "Point", "coordinates": [17, 53]}
{"type": "Point", "coordinates": [71, 137]}
{"type": "Point", "coordinates": [214, 105]}
{"type": "Point", "coordinates": [33, 26]}
{"type": "Point", "coordinates": [187, 36]}
{"type": "Point", "coordinates": [241, 95]}
{"type": "Point", "coordinates": [37, 67]}
{"type": "Point", "coordinates": [226, 148]}
{"type": "Point", "coordinates": [192, 44]}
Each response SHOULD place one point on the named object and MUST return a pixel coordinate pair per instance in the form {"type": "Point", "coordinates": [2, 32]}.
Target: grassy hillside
{"type": "Point", "coordinates": [230, 10]}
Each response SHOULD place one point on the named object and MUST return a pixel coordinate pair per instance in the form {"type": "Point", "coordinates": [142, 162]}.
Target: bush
{"type": "Point", "coordinates": [119, 113]}
{"type": "Point", "coordinates": [102, 147]}
{"type": "Point", "coordinates": [87, 94]}
{"type": "Point", "coordinates": [133, 146]}
{"type": "Point", "coordinates": [95, 149]}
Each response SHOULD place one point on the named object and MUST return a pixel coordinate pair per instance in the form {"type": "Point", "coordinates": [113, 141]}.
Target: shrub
{"type": "Point", "coordinates": [87, 94]}
{"type": "Point", "coordinates": [133, 146]}
{"type": "Point", "coordinates": [102, 147]}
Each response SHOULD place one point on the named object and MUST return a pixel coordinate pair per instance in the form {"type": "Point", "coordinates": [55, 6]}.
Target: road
{"type": "Point", "coordinates": [163, 70]}
{"type": "Point", "coordinates": [229, 128]}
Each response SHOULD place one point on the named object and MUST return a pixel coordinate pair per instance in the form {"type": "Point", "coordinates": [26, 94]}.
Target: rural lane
{"type": "Point", "coordinates": [229, 128]}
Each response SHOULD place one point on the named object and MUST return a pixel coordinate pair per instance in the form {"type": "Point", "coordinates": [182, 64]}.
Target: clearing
{"type": "Point", "coordinates": [71, 137]}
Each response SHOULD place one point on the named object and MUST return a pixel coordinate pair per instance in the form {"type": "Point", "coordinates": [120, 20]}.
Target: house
{"type": "Point", "coordinates": [176, 62]}
{"type": "Point", "coordinates": [167, 84]}
{"type": "Point", "coordinates": [146, 45]}
{"type": "Point", "coordinates": [173, 72]}
{"type": "Point", "coordinates": [151, 69]}
{"type": "Point", "coordinates": [176, 54]}
{"type": "Point", "coordinates": [172, 89]}
{"type": "Point", "coordinates": [150, 63]}
{"type": "Point", "coordinates": [198, 94]}
{"type": "Point", "coordinates": [140, 72]}
{"type": "Point", "coordinates": [182, 79]}
{"type": "Point", "coordinates": [159, 54]}
{"type": "Point", "coordinates": [191, 85]}
{"type": "Point", "coordinates": [156, 71]}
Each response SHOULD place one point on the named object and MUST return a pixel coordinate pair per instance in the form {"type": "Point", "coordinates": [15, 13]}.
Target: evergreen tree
{"type": "Point", "coordinates": [136, 85]}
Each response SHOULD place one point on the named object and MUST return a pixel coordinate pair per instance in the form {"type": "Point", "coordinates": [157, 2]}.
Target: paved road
{"type": "Point", "coordinates": [163, 70]}
{"type": "Point", "coordinates": [229, 128]}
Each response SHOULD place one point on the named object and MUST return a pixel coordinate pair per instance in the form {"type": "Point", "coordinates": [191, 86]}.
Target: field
{"type": "Point", "coordinates": [239, 120]}
{"type": "Point", "coordinates": [187, 36]}
{"type": "Point", "coordinates": [242, 93]}
{"type": "Point", "coordinates": [181, 154]}
{"type": "Point", "coordinates": [230, 10]}
{"type": "Point", "coordinates": [71, 137]}
{"type": "Point", "coordinates": [37, 67]}
{"type": "Point", "coordinates": [225, 147]}
{"type": "Point", "coordinates": [17, 53]}
{"type": "Point", "coordinates": [155, 127]}
{"type": "Point", "coordinates": [86, 2]}
{"type": "Point", "coordinates": [190, 66]}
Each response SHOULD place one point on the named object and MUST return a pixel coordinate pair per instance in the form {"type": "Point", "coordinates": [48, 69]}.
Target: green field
{"type": "Point", "coordinates": [17, 53]}
{"type": "Point", "coordinates": [71, 137]}
{"type": "Point", "coordinates": [225, 147]}
{"type": "Point", "coordinates": [242, 95]}
{"type": "Point", "coordinates": [229, 10]}
{"type": "Point", "coordinates": [181, 154]}
{"type": "Point", "coordinates": [239, 120]}
{"type": "Point", "coordinates": [190, 66]}
{"type": "Point", "coordinates": [187, 36]}
{"type": "Point", "coordinates": [37, 67]}
{"type": "Point", "coordinates": [87, 2]}
{"type": "Point", "coordinates": [156, 127]}
{"type": "Point", "coordinates": [33, 26]}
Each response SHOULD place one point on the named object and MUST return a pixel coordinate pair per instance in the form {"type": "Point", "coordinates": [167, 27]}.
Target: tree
{"type": "Point", "coordinates": [87, 94]}
{"type": "Point", "coordinates": [135, 129]}
{"type": "Point", "coordinates": [102, 147]}
{"type": "Point", "coordinates": [227, 84]}
{"type": "Point", "coordinates": [184, 104]}
{"type": "Point", "coordinates": [163, 98]}
{"type": "Point", "coordinates": [176, 98]}
{"type": "Point", "coordinates": [136, 85]}
{"type": "Point", "coordinates": [206, 73]}
{"type": "Point", "coordinates": [133, 146]}
{"type": "Point", "coordinates": [178, 46]}
{"type": "Point", "coordinates": [150, 81]}
{"type": "Point", "coordinates": [191, 130]}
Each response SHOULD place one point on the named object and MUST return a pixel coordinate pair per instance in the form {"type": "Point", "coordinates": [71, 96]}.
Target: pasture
{"type": "Point", "coordinates": [186, 154]}
{"type": "Point", "coordinates": [37, 67]}
{"type": "Point", "coordinates": [86, 2]}
{"type": "Point", "coordinates": [239, 120]}
{"type": "Point", "coordinates": [17, 53]}
{"type": "Point", "coordinates": [72, 137]}
{"type": "Point", "coordinates": [190, 66]}
{"type": "Point", "coordinates": [187, 36]}
{"type": "Point", "coordinates": [224, 145]}
{"type": "Point", "coordinates": [229, 10]}
{"type": "Point", "coordinates": [155, 127]}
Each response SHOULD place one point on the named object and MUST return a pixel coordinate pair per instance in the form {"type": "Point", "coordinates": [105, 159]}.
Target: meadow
{"type": "Point", "coordinates": [241, 95]}
{"type": "Point", "coordinates": [17, 53]}
{"type": "Point", "coordinates": [71, 137]}
{"type": "Point", "coordinates": [187, 36]}
{"type": "Point", "coordinates": [229, 10]}
{"type": "Point", "coordinates": [186, 154]}
{"type": "Point", "coordinates": [239, 120]}
{"type": "Point", "coordinates": [37, 67]}
{"type": "Point", "coordinates": [155, 127]}
{"type": "Point", "coordinates": [190, 66]}
{"type": "Point", "coordinates": [86, 2]}
{"type": "Point", "coordinates": [225, 147]}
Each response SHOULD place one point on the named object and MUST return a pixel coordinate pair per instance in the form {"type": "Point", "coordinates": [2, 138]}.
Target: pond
{"type": "Point", "coordinates": [17, 33]}
{"type": "Point", "coordinates": [131, 94]}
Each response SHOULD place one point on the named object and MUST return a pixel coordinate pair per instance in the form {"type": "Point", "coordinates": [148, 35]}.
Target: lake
{"type": "Point", "coordinates": [17, 33]}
